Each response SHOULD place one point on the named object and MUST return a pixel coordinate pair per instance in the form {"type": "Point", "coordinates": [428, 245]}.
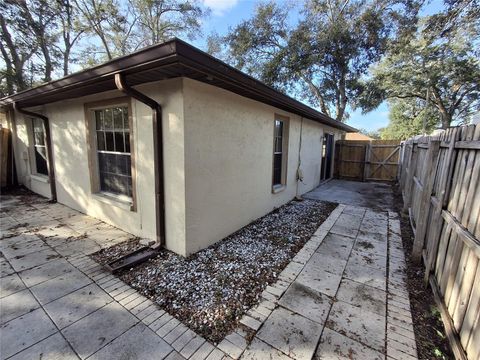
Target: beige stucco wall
{"type": "Point", "coordinates": [218, 149]}
{"type": "Point", "coordinates": [228, 161]}
{"type": "Point", "coordinates": [69, 136]}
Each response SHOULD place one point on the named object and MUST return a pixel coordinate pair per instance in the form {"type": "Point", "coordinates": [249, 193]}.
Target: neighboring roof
{"type": "Point", "coordinates": [357, 136]}
{"type": "Point", "coordinates": [174, 58]}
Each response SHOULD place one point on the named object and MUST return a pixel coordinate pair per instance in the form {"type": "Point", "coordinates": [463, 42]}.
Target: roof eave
{"type": "Point", "coordinates": [173, 52]}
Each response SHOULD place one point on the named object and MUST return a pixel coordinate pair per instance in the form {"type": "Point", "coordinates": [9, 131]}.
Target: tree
{"type": "Point", "coordinates": [159, 20]}
{"type": "Point", "coordinates": [442, 70]}
{"type": "Point", "coordinates": [104, 20]}
{"type": "Point", "coordinates": [457, 15]}
{"type": "Point", "coordinates": [17, 45]}
{"type": "Point", "coordinates": [324, 56]}
{"type": "Point", "coordinates": [409, 117]}
{"type": "Point", "coordinates": [71, 31]}
{"type": "Point", "coordinates": [40, 17]}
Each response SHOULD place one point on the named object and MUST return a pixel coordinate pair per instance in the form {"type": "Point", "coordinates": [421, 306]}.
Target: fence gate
{"type": "Point", "coordinates": [367, 160]}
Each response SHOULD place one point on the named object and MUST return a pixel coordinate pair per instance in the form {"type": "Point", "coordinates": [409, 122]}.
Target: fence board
{"type": "Point", "coordinates": [367, 160]}
{"type": "Point", "coordinates": [442, 196]}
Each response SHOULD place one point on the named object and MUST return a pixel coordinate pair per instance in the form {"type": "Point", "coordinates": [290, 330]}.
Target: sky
{"type": "Point", "coordinates": [228, 13]}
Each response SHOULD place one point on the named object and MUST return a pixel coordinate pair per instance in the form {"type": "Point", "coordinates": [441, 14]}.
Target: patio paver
{"type": "Point", "coordinates": [335, 300]}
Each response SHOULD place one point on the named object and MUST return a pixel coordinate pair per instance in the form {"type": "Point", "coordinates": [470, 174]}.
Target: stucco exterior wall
{"type": "Point", "coordinates": [228, 161]}
{"type": "Point", "coordinates": [69, 137]}
{"type": "Point", "coordinates": [218, 153]}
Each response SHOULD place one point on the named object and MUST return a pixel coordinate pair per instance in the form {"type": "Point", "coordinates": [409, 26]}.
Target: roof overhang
{"type": "Point", "coordinates": [174, 58]}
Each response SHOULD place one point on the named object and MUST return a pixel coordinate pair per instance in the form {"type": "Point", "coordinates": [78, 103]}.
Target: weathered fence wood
{"type": "Point", "coordinates": [440, 182]}
{"type": "Point", "coordinates": [375, 160]}
{"type": "Point", "coordinates": [412, 165]}
{"type": "Point", "coordinates": [429, 177]}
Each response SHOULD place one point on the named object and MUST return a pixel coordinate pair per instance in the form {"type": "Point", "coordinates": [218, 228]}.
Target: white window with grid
{"type": "Point", "coordinates": [112, 134]}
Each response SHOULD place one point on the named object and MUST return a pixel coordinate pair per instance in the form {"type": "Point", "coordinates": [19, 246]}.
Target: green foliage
{"type": "Point", "coordinates": [325, 55]}
{"type": "Point", "coordinates": [440, 68]}
{"type": "Point", "coordinates": [40, 39]}
{"type": "Point", "coordinates": [409, 117]}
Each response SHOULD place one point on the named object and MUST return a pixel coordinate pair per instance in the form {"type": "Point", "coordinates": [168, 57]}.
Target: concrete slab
{"type": "Point", "coordinates": [335, 346]}
{"type": "Point", "coordinates": [368, 235]}
{"type": "Point", "coordinates": [52, 348]}
{"type": "Point", "coordinates": [94, 331]}
{"type": "Point", "coordinates": [344, 230]}
{"type": "Point", "coordinates": [368, 258]}
{"type": "Point", "coordinates": [349, 221]}
{"type": "Point", "coordinates": [24, 248]}
{"type": "Point", "coordinates": [323, 262]}
{"type": "Point", "coordinates": [10, 284]}
{"type": "Point", "coordinates": [16, 305]}
{"type": "Point", "coordinates": [5, 268]}
{"type": "Point", "coordinates": [336, 246]}
{"type": "Point", "coordinates": [324, 282]}
{"type": "Point", "coordinates": [24, 331]}
{"type": "Point", "coordinates": [60, 286]}
{"type": "Point", "coordinates": [366, 275]}
{"type": "Point", "coordinates": [258, 350]}
{"type": "Point", "coordinates": [363, 326]}
{"type": "Point", "coordinates": [363, 194]}
{"type": "Point", "coordinates": [85, 246]}
{"type": "Point", "coordinates": [137, 343]}
{"type": "Point", "coordinates": [74, 306]}
{"type": "Point", "coordinates": [365, 297]}
{"type": "Point", "coordinates": [24, 262]}
{"type": "Point", "coordinates": [16, 240]}
{"type": "Point", "coordinates": [371, 246]}
{"type": "Point", "coordinates": [354, 210]}
{"type": "Point", "coordinates": [46, 271]}
{"type": "Point", "coordinates": [293, 334]}
{"type": "Point", "coordinates": [306, 302]}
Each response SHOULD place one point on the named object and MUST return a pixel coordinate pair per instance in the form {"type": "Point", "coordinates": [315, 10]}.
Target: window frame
{"type": "Point", "coordinates": [32, 149]}
{"type": "Point", "coordinates": [284, 160]}
{"type": "Point", "coordinates": [92, 148]}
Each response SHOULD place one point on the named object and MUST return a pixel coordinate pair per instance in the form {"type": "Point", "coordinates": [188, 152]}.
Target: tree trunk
{"type": "Point", "coordinates": [446, 120]}
{"type": "Point", "coordinates": [66, 58]}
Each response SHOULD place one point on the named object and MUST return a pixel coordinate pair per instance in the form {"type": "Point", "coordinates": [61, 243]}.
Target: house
{"type": "Point", "coordinates": [356, 136]}
{"type": "Point", "coordinates": [169, 143]}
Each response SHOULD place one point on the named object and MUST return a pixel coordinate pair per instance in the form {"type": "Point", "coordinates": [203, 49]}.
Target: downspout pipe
{"type": "Point", "coordinates": [122, 85]}
{"type": "Point", "coordinates": [48, 141]}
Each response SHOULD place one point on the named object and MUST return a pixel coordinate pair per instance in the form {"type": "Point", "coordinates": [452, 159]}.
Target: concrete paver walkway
{"type": "Point", "coordinates": [347, 297]}
{"type": "Point", "coordinates": [342, 297]}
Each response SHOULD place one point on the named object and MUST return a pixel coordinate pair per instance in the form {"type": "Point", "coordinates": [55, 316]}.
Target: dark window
{"type": "Point", "coordinates": [113, 150]}
{"type": "Point", "coordinates": [278, 152]}
{"type": "Point", "coordinates": [39, 147]}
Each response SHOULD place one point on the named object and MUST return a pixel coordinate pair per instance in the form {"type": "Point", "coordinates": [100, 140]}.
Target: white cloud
{"type": "Point", "coordinates": [220, 6]}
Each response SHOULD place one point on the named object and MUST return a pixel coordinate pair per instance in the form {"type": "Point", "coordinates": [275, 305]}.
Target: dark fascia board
{"type": "Point", "coordinates": [171, 52]}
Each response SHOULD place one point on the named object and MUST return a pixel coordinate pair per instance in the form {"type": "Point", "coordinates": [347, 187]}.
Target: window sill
{"type": "Point", "coordinates": [278, 188]}
{"type": "Point", "coordinates": [40, 178]}
{"type": "Point", "coordinates": [114, 200]}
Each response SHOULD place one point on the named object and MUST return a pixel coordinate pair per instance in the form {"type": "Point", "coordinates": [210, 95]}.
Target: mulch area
{"type": "Point", "coordinates": [211, 290]}
{"type": "Point", "coordinates": [430, 336]}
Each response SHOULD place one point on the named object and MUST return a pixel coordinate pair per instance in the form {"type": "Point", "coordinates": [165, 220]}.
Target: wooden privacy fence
{"type": "Point", "coordinates": [440, 182]}
{"type": "Point", "coordinates": [365, 160]}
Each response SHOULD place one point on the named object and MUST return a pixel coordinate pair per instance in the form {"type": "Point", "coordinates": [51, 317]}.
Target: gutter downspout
{"type": "Point", "coordinates": [48, 141]}
{"type": "Point", "coordinates": [158, 153]}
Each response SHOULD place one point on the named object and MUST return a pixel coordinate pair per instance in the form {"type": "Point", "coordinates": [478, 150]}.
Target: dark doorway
{"type": "Point", "coordinates": [327, 157]}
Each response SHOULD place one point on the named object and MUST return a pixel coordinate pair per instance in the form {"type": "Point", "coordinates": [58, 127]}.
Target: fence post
{"type": "Point", "coordinates": [424, 207]}
{"type": "Point", "coordinates": [412, 165]}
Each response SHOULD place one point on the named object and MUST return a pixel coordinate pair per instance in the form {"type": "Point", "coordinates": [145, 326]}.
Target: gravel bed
{"type": "Point", "coordinates": [211, 290]}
